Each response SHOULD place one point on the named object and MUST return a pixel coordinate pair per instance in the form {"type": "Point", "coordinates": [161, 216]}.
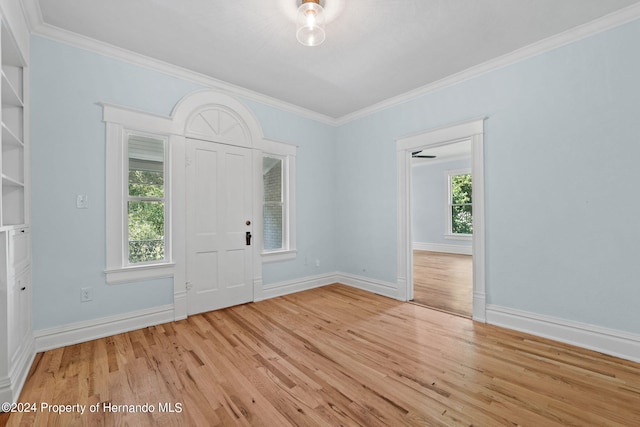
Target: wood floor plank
{"type": "Point", "coordinates": [443, 281]}
{"type": "Point", "coordinates": [327, 357]}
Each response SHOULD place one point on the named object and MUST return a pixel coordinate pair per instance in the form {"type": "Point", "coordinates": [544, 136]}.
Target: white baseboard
{"type": "Point", "coordinates": [73, 333]}
{"type": "Point", "coordinates": [479, 307]}
{"type": "Point", "coordinates": [366, 284]}
{"type": "Point", "coordinates": [297, 285]}
{"type": "Point", "coordinates": [436, 247]}
{"type": "Point", "coordinates": [180, 305]}
{"type": "Point", "coordinates": [608, 341]}
{"type": "Point", "coordinates": [11, 386]}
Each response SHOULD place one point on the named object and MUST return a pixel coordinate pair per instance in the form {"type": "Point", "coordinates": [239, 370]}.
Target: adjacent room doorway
{"type": "Point", "coordinates": [406, 147]}
{"type": "Point", "coordinates": [442, 227]}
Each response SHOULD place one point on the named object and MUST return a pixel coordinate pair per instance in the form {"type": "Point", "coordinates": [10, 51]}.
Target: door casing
{"type": "Point", "coordinates": [233, 124]}
{"type": "Point", "coordinates": [474, 131]}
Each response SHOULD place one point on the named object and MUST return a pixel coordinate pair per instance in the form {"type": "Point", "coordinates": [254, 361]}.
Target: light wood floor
{"type": "Point", "coordinates": [443, 281]}
{"type": "Point", "coordinates": [333, 356]}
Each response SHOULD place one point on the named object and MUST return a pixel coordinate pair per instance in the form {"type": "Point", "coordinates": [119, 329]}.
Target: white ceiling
{"type": "Point", "coordinates": [375, 49]}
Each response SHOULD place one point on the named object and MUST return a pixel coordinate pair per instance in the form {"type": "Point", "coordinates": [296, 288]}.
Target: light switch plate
{"type": "Point", "coordinates": [82, 201]}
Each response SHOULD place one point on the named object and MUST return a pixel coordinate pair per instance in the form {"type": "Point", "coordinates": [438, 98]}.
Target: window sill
{"type": "Point", "coordinates": [139, 273]}
{"type": "Point", "coordinates": [467, 237]}
{"type": "Point", "coordinates": [279, 256]}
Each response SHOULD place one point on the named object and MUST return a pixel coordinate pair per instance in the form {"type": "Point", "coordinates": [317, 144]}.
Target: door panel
{"type": "Point", "coordinates": [219, 197]}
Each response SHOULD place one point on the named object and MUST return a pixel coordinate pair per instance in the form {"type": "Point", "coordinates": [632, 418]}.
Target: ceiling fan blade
{"type": "Point", "coordinates": [415, 155]}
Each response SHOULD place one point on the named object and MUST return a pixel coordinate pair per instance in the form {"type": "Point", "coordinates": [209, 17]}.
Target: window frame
{"type": "Point", "coordinates": [120, 123]}
{"type": "Point", "coordinates": [286, 153]}
{"type": "Point", "coordinates": [449, 234]}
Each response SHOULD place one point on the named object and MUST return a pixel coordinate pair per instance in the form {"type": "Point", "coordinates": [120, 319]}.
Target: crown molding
{"type": "Point", "coordinates": [40, 28]}
{"type": "Point", "coordinates": [607, 22]}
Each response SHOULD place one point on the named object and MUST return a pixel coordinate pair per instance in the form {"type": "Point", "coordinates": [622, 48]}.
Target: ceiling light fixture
{"type": "Point", "coordinates": [310, 23]}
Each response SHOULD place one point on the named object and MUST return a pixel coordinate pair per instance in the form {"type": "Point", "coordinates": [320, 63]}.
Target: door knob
{"type": "Point", "coordinates": [248, 237]}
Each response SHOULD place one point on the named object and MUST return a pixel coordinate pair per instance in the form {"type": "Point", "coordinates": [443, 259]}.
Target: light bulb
{"type": "Point", "coordinates": [311, 19]}
{"type": "Point", "coordinates": [310, 24]}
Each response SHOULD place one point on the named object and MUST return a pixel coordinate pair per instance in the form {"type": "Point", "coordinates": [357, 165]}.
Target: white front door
{"type": "Point", "coordinates": [219, 216]}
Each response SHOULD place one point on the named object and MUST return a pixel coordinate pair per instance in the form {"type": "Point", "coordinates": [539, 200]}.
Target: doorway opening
{"type": "Point", "coordinates": [406, 148]}
{"type": "Point", "coordinates": [442, 227]}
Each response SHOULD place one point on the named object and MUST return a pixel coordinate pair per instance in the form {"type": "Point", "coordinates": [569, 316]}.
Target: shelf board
{"type": "Point", "coordinates": [10, 182]}
{"type": "Point", "coordinates": [8, 227]}
{"type": "Point", "coordinates": [10, 52]}
{"type": "Point", "coordinates": [8, 137]}
{"type": "Point", "coordinates": [9, 94]}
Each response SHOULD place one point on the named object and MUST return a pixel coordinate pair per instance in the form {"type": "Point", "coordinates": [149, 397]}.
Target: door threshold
{"type": "Point", "coordinates": [442, 310]}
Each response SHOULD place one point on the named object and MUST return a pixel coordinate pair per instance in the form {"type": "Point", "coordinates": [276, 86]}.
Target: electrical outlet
{"type": "Point", "coordinates": [86, 294]}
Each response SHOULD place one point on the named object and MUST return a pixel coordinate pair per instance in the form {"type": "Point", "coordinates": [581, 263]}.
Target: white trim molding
{"type": "Point", "coordinates": [296, 285]}
{"type": "Point", "coordinates": [607, 22]}
{"type": "Point", "coordinates": [138, 273]}
{"type": "Point", "coordinates": [74, 333]}
{"type": "Point", "coordinates": [379, 287]}
{"type": "Point", "coordinates": [40, 28]}
{"type": "Point", "coordinates": [279, 256]}
{"type": "Point", "coordinates": [287, 154]}
{"type": "Point", "coordinates": [613, 342]}
{"type": "Point", "coordinates": [11, 385]}
{"type": "Point", "coordinates": [471, 130]}
{"type": "Point", "coordinates": [120, 123]}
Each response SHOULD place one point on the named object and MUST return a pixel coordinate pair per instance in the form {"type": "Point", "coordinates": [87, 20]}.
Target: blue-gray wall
{"type": "Point", "coordinates": [562, 143]}
{"type": "Point", "coordinates": [68, 158]}
{"type": "Point", "coordinates": [429, 201]}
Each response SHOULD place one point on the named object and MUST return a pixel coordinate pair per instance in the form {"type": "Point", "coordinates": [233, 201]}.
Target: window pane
{"type": "Point", "coordinates": [461, 219]}
{"type": "Point", "coordinates": [146, 166]}
{"type": "Point", "coordinates": [146, 231]}
{"type": "Point", "coordinates": [461, 189]}
{"type": "Point", "coordinates": [272, 227]}
{"type": "Point", "coordinates": [273, 212]}
{"type": "Point", "coordinates": [272, 178]}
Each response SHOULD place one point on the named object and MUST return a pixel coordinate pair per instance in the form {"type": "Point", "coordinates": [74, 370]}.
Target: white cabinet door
{"type": "Point", "coordinates": [19, 313]}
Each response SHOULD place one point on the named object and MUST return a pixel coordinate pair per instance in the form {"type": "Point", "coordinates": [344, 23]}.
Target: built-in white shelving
{"type": "Point", "coordinates": [13, 163]}
{"type": "Point", "coordinates": [16, 336]}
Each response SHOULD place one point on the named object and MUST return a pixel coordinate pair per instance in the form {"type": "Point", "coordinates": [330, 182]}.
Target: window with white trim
{"type": "Point", "coordinates": [138, 196]}
{"type": "Point", "coordinates": [459, 203]}
{"type": "Point", "coordinates": [274, 204]}
{"type": "Point", "coordinates": [278, 201]}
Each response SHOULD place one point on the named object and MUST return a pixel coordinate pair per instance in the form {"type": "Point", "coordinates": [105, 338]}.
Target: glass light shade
{"type": "Point", "coordinates": [310, 24]}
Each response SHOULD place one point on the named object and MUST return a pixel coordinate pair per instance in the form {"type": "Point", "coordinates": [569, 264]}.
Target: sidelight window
{"type": "Point", "coordinates": [146, 199]}
{"type": "Point", "coordinates": [278, 201]}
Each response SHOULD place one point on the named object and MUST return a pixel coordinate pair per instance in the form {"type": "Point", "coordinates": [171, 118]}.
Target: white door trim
{"type": "Point", "coordinates": [250, 136]}
{"type": "Point", "coordinates": [472, 130]}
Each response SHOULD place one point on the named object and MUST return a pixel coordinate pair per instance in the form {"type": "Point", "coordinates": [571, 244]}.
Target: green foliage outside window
{"type": "Point", "coordinates": [146, 217]}
{"type": "Point", "coordinates": [461, 204]}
